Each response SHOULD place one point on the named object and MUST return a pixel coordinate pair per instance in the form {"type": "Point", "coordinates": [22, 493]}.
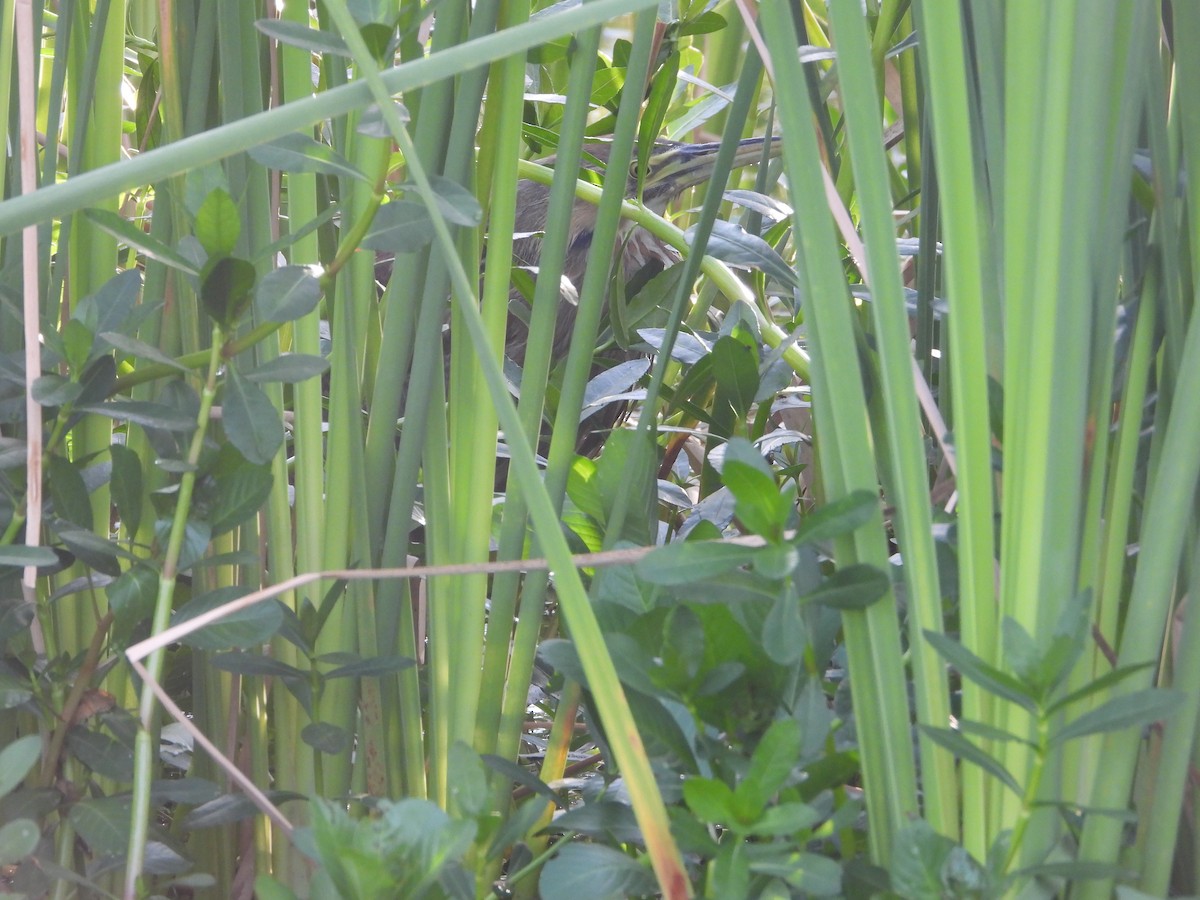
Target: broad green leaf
{"type": "Point", "coordinates": [468, 779]}
{"type": "Point", "coordinates": [1127, 711]}
{"type": "Point", "coordinates": [772, 762]}
{"type": "Point", "coordinates": [255, 664]}
{"type": "Point", "coordinates": [842, 516]}
{"type": "Point", "coordinates": [374, 667]}
{"type": "Point", "coordinates": [735, 365]}
{"type": "Point", "coordinates": [1021, 654]}
{"type": "Point", "coordinates": [16, 759]}
{"type": "Point", "coordinates": [128, 233]}
{"type": "Point", "coordinates": [69, 493]}
{"type": "Point", "coordinates": [812, 874]}
{"type": "Point", "coordinates": [18, 839]}
{"type": "Point", "coordinates": [372, 123]}
{"type": "Point", "coordinates": [300, 153]}
{"type": "Point", "coordinates": [101, 753]}
{"type": "Point", "coordinates": [126, 486]}
{"type": "Point", "coordinates": [192, 791]}
{"type": "Point", "coordinates": [988, 677]}
{"type": "Point", "coordinates": [131, 346]}
{"type": "Point", "coordinates": [145, 413]}
{"type": "Point", "coordinates": [111, 306]}
{"type": "Point", "coordinates": [964, 749]}
{"type": "Point", "coordinates": [734, 246]}
{"type": "Point", "coordinates": [99, 553]}
{"type": "Point", "coordinates": [218, 224]}
{"type": "Point", "coordinates": [401, 226]}
{"type": "Point", "coordinates": [251, 421]}
{"type": "Point", "coordinates": [266, 887]}
{"type": "Point", "coordinates": [683, 562]}
{"type": "Point", "coordinates": [131, 596]}
{"type": "Point", "coordinates": [231, 808]}
{"type": "Point", "coordinates": [856, 586]}
{"type": "Point", "coordinates": [326, 738]}
{"type": "Point", "coordinates": [287, 293]}
{"type": "Point", "coordinates": [24, 555]}
{"type": "Point", "coordinates": [594, 872]}
{"type": "Point", "coordinates": [458, 205]}
{"type": "Point", "coordinates": [783, 633]}
{"type": "Point", "coordinates": [522, 776]}
{"type": "Point", "coordinates": [918, 855]}
{"type": "Point", "coordinates": [55, 390]}
{"type": "Point", "coordinates": [295, 34]}
{"type": "Point", "coordinates": [241, 488]}
{"type": "Point", "coordinates": [249, 627]}
{"type": "Point", "coordinates": [225, 289]}
{"type": "Point", "coordinates": [104, 824]}
{"type": "Point", "coordinates": [729, 872]}
{"type": "Point", "coordinates": [785, 820]}
{"type": "Point", "coordinates": [757, 499]}
{"type": "Point", "coordinates": [290, 368]}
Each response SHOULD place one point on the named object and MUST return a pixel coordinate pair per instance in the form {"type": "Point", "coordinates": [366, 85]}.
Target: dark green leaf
{"type": "Point", "coordinates": [457, 205]}
{"type": "Point", "coordinates": [131, 346]}
{"type": "Point", "coordinates": [231, 808]}
{"type": "Point", "coordinates": [734, 246]}
{"type": "Point", "coordinates": [287, 293]}
{"type": "Point", "coordinates": [295, 34]}
{"type": "Point", "coordinates": [772, 762]}
{"type": "Point", "coordinates": [218, 223]}
{"type": "Point", "coordinates": [785, 820]}
{"type": "Point", "coordinates": [853, 587]}
{"type": "Point", "coordinates": [594, 872]}
{"type": "Point", "coordinates": [736, 367]}
{"type": "Point", "coordinates": [1128, 711]}
{"type": "Point", "coordinates": [300, 153]}
{"type": "Point", "coordinates": [242, 488]}
{"type": "Point", "coordinates": [104, 824]}
{"type": "Point", "coordinates": [682, 562]}
{"type": "Point", "coordinates": [24, 555]}
{"type": "Point", "coordinates": [55, 390]}
{"type": "Point", "coordinates": [128, 233]}
{"type": "Point", "coordinates": [18, 839]}
{"type": "Point", "coordinates": [126, 486]}
{"type": "Point", "coordinates": [783, 633]}
{"type": "Point", "coordinates": [225, 289]}
{"type": "Point", "coordinates": [757, 499]}
{"type": "Point", "coordinates": [251, 420]}
{"type": "Point", "coordinates": [401, 226]}
{"type": "Point", "coordinates": [101, 753]}
{"type": "Point", "coordinates": [964, 749]}
{"type": "Point", "coordinates": [254, 664]}
{"type": "Point", "coordinates": [93, 550]}
{"type": "Point", "coordinates": [988, 677]}
{"type": "Point", "coordinates": [372, 123]}
{"type": "Point", "coordinates": [522, 776]}
{"type": "Point", "coordinates": [467, 776]}
{"type": "Point", "coordinates": [16, 760]}
{"type": "Point", "coordinates": [374, 667]}
{"type": "Point", "coordinates": [69, 493]}
{"type": "Point", "coordinates": [249, 627]}
{"type": "Point", "coordinates": [192, 791]}
{"type": "Point", "coordinates": [144, 413]}
{"type": "Point", "coordinates": [918, 855]}
{"type": "Point", "coordinates": [842, 516]}
{"type": "Point", "coordinates": [325, 738]}
{"type": "Point", "coordinates": [290, 368]}
{"type": "Point", "coordinates": [111, 306]}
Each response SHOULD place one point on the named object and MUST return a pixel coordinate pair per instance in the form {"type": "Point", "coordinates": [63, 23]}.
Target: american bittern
{"type": "Point", "coordinates": [672, 169]}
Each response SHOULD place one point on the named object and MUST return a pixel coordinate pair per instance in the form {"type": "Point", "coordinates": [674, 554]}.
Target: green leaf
{"type": "Point", "coordinates": [287, 293]}
{"type": "Point", "coordinates": [295, 34]}
{"type": "Point", "coordinates": [249, 627]}
{"type": "Point", "coordinates": [16, 760]}
{"type": "Point", "coordinates": [290, 368]}
{"type": "Point", "coordinates": [468, 779]}
{"type": "Point", "coordinates": [144, 413]}
{"type": "Point", "coordinates": [55, 390]}
{"type": "Point", "coordinates": [988, 677]}
{"type": "Point", "coordinates": [251, 420]}
{"type": "Point", "coordinates": [131, 346]}
{"type": "Point", "coordinates": [1101, 684]}
{"type": "Point", "coordinates": [855, 586]}
{"type": "Point", "coordinates": [126, 486]}
{"type": "Point", "coordinates": [964, 749]}
{"type": "Point", "coordinates": [918, 855]}
{"type": "Point", "coordinates": [756, 499]}
{"type": "Point", "coordinates": [225, 289]}
{"type": "Point", "coordinates": [325, 738]}
{"type": "Point", "coordinates": [728, 872]}
{"type": "Point", "coordinates": [68, 492]}
{"type": "Point", "coordinates": [683, 562]}
{"type": "Point", "coordinates": [735, 365]}
{"type": "Point", "coordinates": [300, 153]}
{"type": "Point", "coordinates": [104, 824]}
{"type": "Point", "coordinates": [218, 223]}
{"type": "Point", "coordinates": [1133, 710]}
{"type": "Point", "coordinates": [374, 667]}
{"type": "Point", "coordinates": [102, 754]}
{"type": "Point", "coordinates": [770, 765]}
{"type": "Point", "coordinates": [401, 226]}
{"type": "Point", "coordinates": [111, 306]}
{"type": "Point", "coordinates": [128, 233]}
{"type": "Point", "coordinates": [734, 246]}
{"type": "Point", "coordinates": [18, 839]}
{"type": "Point", "coordinates": [231, 808]}
{"type": "Point", "coordinates": [131, 597]}
{"type": "Point", "coordinates": [457, 205]}
{"type": "Point", "coordinates": [594, 872]}
{"type": "Point", "coordinates": [785, 820]}
{"type": "Point", "coordinates": [24, 555]}
{"type": "Point", "coordinates": [843, 516]}
{"type": "Point", "coordinates": [241, 488]}
{"type": "Point", "coordinates": [255, 664]}
{"type": "Point", "coordinates": [783, 632]}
